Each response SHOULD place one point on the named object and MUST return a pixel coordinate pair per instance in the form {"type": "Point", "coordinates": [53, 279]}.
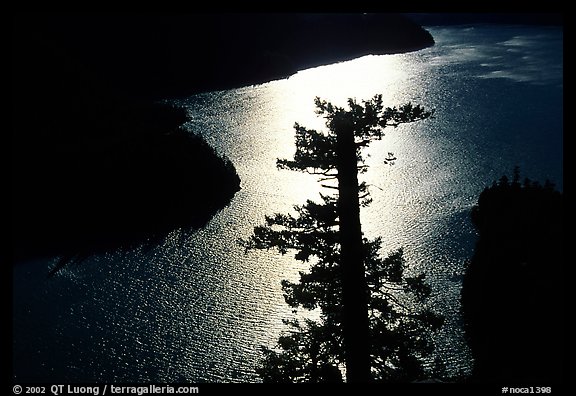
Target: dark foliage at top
{"type": "Point", "coordinates": [512, 295]}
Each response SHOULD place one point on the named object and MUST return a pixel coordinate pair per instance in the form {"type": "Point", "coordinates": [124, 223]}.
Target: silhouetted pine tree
{"type": "Point", "coordinates": [371, 327]}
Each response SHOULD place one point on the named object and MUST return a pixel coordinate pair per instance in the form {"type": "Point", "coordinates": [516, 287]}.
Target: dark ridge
{"type": "Point", "coordinates": [512, 296]}
{"type": "Point", "coordinates": [168, 55]}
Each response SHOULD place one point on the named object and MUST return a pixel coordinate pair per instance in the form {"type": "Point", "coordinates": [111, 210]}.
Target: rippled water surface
{"type": "Point", "coordinates": [197, 308]}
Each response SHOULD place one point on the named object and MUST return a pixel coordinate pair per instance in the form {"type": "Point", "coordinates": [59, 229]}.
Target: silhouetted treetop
{"type": "Point", "coordinates": [316, 152]}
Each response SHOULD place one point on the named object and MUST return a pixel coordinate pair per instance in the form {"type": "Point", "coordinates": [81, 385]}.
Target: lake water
{"type": "Point", "coordinates": [196, 308]}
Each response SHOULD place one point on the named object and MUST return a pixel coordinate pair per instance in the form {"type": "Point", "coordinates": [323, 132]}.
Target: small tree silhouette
{"type": "Point", "coordinates": [512, 295]}
{"type": "Point", "coordinates": [369, 323]}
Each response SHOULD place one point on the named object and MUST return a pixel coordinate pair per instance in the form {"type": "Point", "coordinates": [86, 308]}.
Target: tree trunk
{"type": "Point", "coordinates": [355, 324]}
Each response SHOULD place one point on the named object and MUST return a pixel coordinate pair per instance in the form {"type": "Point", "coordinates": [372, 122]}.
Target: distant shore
{"type": "Point", "coordinates": [476, 18]}
{"type": "Point", "coordinates": [172, 55]}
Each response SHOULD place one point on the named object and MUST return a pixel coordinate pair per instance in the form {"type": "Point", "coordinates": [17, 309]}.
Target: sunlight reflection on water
{"type": "Point", "coordinates": [422, 202]}
{"type": "Point", "coordinates": [197, 308]}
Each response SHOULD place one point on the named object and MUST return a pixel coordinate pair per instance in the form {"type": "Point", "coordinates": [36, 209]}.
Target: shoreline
{"type": "Point", "coordinates": [98, 163]}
